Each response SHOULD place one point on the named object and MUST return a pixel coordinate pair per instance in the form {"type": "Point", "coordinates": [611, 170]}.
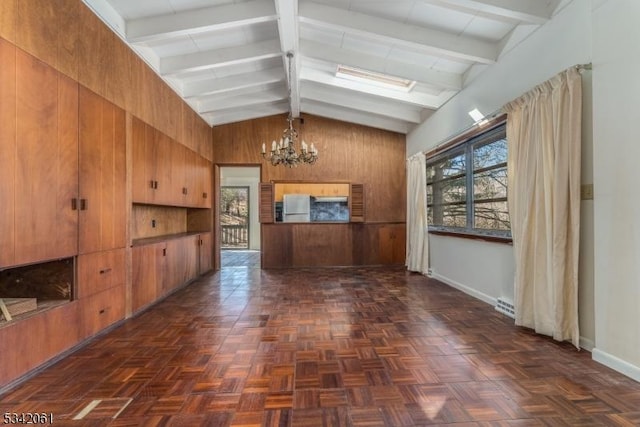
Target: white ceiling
{"type": "Point", "coordinates": [227, 58]}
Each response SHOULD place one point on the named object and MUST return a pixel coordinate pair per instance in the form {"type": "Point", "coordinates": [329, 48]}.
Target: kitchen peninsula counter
{"type": "Point", "coordinates": [324, 244]}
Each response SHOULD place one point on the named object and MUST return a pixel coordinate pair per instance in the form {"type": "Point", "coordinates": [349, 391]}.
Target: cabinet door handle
{"type": "Point", "coordinates": [105, 271]}
{"type": "Point", "coordinates": [184, 190]}
{"type": "Point", "coordinates": [153, 184]}
{"type": "Point", "coordinates": [83, 204]}
{"type": "Point", "coordinates": [204, 195]}
{"type": "Point", "coordinates": [164, 251]}
{"type": "Point", "coordinates": [74, 204]}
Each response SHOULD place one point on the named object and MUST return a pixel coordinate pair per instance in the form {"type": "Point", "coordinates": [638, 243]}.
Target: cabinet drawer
{"type": "Point", "coordinates": [100, 271]}
{"type": "Point", "coordinates": [102, 310]}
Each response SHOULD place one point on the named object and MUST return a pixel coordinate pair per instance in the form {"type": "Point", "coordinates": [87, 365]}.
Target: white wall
{"type": "Point", "coordinates": [562, 42]}
{"type": "Point", "coordinates": [485, 269]}
{"type": "Point", "coordinates": [246, 177]}
{"type": "Point", "coordinates": [482, 269]}
{"type": "Point", "coordinates": [616, 93]}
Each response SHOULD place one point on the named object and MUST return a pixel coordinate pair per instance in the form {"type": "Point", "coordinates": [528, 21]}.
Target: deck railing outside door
{"type": "Point", "coordinates": [235, 236]}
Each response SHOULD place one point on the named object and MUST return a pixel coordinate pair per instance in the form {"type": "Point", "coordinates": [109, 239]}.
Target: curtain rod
{"type": "Point", "coordinates": [489, 117]}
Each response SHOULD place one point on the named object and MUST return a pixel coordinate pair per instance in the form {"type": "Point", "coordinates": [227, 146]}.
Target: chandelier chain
{"type": "Point", "coordinates": [284, 152]}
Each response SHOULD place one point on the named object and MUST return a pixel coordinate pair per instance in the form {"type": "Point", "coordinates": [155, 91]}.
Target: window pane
{"type": "Point", "coordinates": [491, 215]}
{"type": "Point", "coordinates": [443, 193]}
{"type": "Point", "coordinates": [452, 191]}
{"type": "Point", "coordinates": [490, 154]}
{"type": "Point", "coordinates": [481, 209]}
{"type": "Point", "coordinates": [490, 184]}
{"type": "Point", "coordinates": [454, 216]}
{"type": "Point", "coordinates": [452, 166]}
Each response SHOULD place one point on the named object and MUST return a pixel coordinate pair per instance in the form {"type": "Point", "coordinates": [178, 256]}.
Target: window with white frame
{"type": "Point", "coordinates": [467, 186]}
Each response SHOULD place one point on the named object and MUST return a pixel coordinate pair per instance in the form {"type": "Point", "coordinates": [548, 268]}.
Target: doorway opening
{"type": "Point", "coordinates": [237, 213]}
{"type": "Point", "coordinates": [234, 217]}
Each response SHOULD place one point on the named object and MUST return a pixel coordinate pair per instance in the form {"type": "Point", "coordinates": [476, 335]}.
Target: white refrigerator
{"type": "Point", "coordinates": [296, 208]}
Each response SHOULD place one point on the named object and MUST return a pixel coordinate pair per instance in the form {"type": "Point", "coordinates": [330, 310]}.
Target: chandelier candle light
{"type": "Point", "coordinates": [284, 152]}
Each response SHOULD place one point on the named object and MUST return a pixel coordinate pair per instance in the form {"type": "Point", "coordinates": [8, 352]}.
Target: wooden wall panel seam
{"type": "Point", "coordinates": [68, 36]}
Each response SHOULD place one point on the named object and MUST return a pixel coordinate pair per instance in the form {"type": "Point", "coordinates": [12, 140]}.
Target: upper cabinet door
{"type": "Point", "coordinates": [161, 161]}
{"type": "Point", "coordinates": [7, 151]}
{"type": "Point", "coordinates": [190, 178]}
{"type": "Point", "coordinates": [142, 182]}
{"type": "Point", "coordinates": [102, 174]}
{"type": "Point", "coordinates": [205, 182]}
{"type": "Point", "coordinates": [178, 190]}
{"type": "Point", "coordinates": [46, 174]}
{"type": "Point", "coordinates": [200, 181]}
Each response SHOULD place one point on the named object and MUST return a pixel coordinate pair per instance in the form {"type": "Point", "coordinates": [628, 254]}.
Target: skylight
{"type": "Point", "coordinates": [373, 78]}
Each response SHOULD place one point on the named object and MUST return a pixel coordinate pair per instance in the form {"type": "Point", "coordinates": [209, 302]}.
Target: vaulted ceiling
{"type": "Point", "coordinates": [228, 58]}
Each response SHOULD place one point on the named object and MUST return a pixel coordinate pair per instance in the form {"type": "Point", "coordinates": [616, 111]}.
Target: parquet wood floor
{"type": "Point", "coordinates": [326, 347]}
{"type": "Point", "coordinates": [240, 258]}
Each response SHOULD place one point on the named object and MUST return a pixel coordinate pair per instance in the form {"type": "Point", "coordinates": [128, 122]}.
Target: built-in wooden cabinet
{"type": "Point", "coordinates": [171, 214]}
{"type": "Point", "coordinates": [204, 183]}
{"type": "Point", "coordinates": [7, 151]}
{"type": "Point", "coordinates": [161, 266]}
{"type": "Point", "coordinates": [205, 260]}
{"type": "Point", "coordinates": [148, 262]}
{"type": "Point", "coordinates": [291, 245]}
{"type": "Point", "coordinates": [62, 182]}
{"type": "Point", "coordinates": [151, 152]}
{"type": "Point", "coordinates": [197, 180]}
{"type": "Point", "coordinates": [392, 244]}
{"type": "Point", "coordinates": [30, 342]}
{"type": "Point", "coordinates": [67, 189]}
{"type": "Point", "coordinates": [182, 264]}
{"type": "Point", "coordinates": [63, 154]}
{"type": "Point", "coordinates": [102, 202]}
{"type": "Point", "coordinates": [100, 271]}
{"type": "Point", "coordinates": [174, 265]}
{"type": "Point", "coordinates": [178, 190]}
{"type": "Point", "coordinates": [166, 172]}
{"type": "Point", "coordinates": [101, 310]}
{"type": "Point", "coordinates": [142, 146]}
{"type": "Point", "coordinates": [38, 160]}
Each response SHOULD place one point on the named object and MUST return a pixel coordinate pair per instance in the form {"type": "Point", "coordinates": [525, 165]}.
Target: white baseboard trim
{"type": "Point", "coordinates": [587, 344]}
{"type": "Point", "coordinates": [616, 364]}
{"type": "Point", "coordinates": [466, 289]}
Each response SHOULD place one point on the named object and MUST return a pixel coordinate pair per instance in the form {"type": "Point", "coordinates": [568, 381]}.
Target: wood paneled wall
{"type": "Point", "coordinates": [347, 153]}
{"type": "Point", "coordinates": [68, 36]}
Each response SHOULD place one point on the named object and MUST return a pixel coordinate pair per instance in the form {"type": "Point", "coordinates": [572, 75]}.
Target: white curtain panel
{"type": "Point", "coordinates": [543, 130]}
{"type": "Point", "coordinates": [417, 232]}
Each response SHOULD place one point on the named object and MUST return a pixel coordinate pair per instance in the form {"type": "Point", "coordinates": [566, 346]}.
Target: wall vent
{"type": "Point", "coordinates": [506, 307]}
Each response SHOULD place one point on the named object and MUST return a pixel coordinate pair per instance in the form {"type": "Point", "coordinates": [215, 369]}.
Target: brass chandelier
{"type": "Point", "coordinates": [284, 152]}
